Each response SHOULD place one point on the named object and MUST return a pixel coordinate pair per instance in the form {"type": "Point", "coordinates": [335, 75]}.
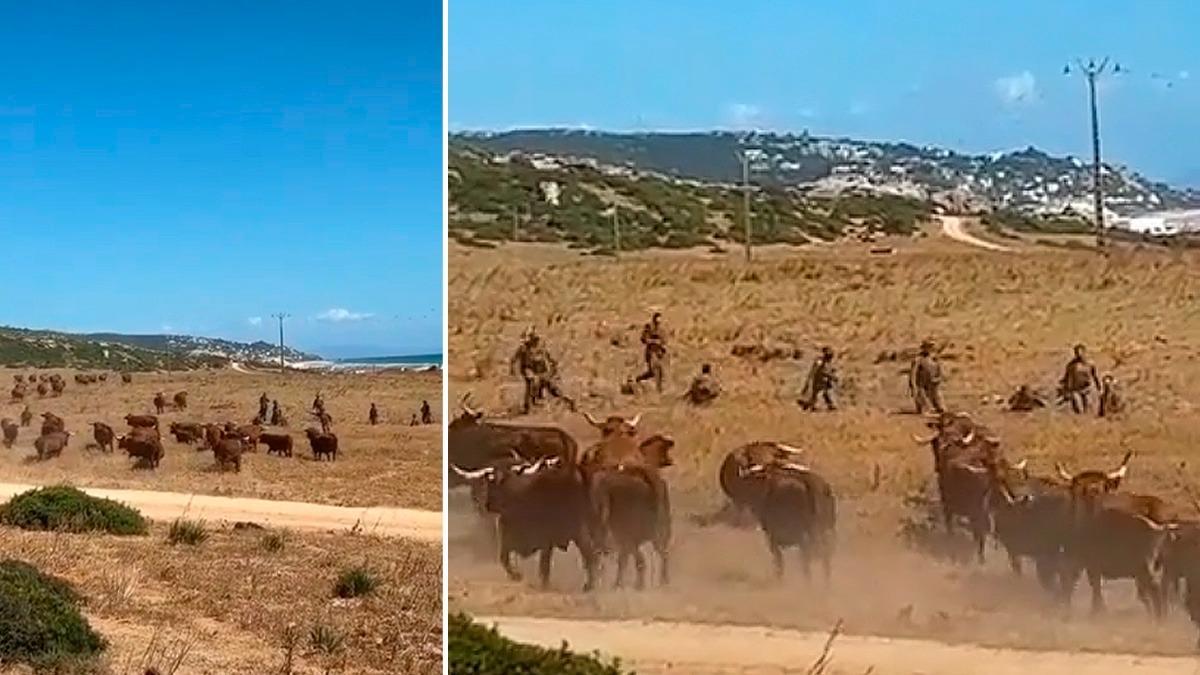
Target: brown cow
{"type": "Point", "coordinates": [160, 403]}
{"type": "Point", "coordinates": [10, 430]}
{"type": "Point", "coordinates": [126, 378]}
{"type": "Point", "coordinates": [51, 444]}
{"type": "Point", "coordinates": [1114, 536]}
{"type": "Point", "coordinates": [323, 444]}
{"type": "Point", "coordinates": [52, 423]}
{"type": "Point", "coordinates": [475, 443]}
{"type": "Point", "coordinates": [228, 453]}
{"type": "Point", "coordinates": [795, 506]}
{"type": "Point", "coordinates": [213, 434]}
{"type": "Point", "coordinates": [58, 386]}
{"type": "Point", "coordinates": [42, 389]}
{"type": "Point", "coordinates": [280, 444]}
{"type": "Point", "coordinates": [248, 433]}
{"type": "Point", "coordinates": [104, 435]}
{"type": "Point", "coordinates": [629, 497]}
{"type": "Point", "coordinates": [731, 476]}
{"type": "Point", "coordinates": [180, 400]}
{"type": "Point", "coordinates": [145, 444]}
{"type": "Point", "coordinates": [186, 432]}
{"type": "Point", "coordinates": [19, 391]}
{"type": "Point", "coordinates": [142, 421]}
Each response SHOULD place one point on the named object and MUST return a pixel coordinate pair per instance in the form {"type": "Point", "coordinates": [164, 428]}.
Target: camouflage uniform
{"type": "Point", "coordinates": [1078, 379]}
{"type": "Point", "coordinates": [373, 416]}
{"type": "Point", "coordinates": [263, 405]}
{"type": "Point", "coordinates": [1025, 400]}
{"type": "Point", "coordinates": [540, 373]}
{"type": "Point", "coordinates": [704, 389]}
{"type": "Point", "coordinates": [276, 414]}
{"type": "Point", "coordinates": [426, 413]}
{"type": "Point", "coordinates": [654, 341]}
{"type": "Point", "coordinates": [822, 377]}
{"type": "Point", "coordinates": [925, 381]}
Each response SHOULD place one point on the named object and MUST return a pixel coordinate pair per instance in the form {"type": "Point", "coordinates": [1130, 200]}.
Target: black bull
{"type": "Point", "coordinates": [475, 444]}
{"type": "Point", "coordinates": [539, 507]}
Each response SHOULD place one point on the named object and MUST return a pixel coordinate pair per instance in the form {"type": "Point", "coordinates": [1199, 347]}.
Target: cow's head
{"type": "Point", "coordinates": [615, 425]}
{"type": "Point", "coordinates": [1090, 484]}
{"type": "Point", "coordinates": [467, 418]}
{"type": "Point", "coordinates": [1009, 480]}
{"type": "Point", "coordinates": [657, 451]}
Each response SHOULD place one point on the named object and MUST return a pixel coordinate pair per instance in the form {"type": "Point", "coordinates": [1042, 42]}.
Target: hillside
{"type": "Point", "coordinates": [602, 208]}
{"type": "Point", "coordinates": [110, 351]}
{"type": "Point", "coordinates": [1028, 180]}
{"type": "Point", "coordinates": [258, 351]}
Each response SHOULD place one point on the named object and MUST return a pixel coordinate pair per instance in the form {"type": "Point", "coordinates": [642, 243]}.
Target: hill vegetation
{"type": "Point", "coordinates": [588, 207]}
{"type": "Point", "coordinates": [478, 650]}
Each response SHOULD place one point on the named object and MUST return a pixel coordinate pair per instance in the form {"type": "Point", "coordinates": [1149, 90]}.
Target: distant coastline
{"type": "Point", "coordinates": [406, 362]}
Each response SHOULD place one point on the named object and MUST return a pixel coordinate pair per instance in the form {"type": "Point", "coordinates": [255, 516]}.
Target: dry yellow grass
{"type": "Point", "coordinates": [1006, 319]}
{"type": "Point", "coordinates": [228, 605]}
{"type": "Point", "coordinates": [390, 464]}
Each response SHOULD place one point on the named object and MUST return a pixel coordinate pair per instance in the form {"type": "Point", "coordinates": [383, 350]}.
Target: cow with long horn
{"type": "Point", "coordinates": [795, 507]}
{"type": "Point", "coordinates": [476, 442]}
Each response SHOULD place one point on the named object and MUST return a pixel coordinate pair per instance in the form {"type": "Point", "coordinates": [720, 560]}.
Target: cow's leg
{"type": "Point", "coordinates": [544, 558]}
{"type": "Point", "coordinates": [506, 562]}
{"type": "Point", "coordinates": [639, 564]}
{"type": "Point", "coordinates": [622, 563]}
{"type": "Point", "coordinates": [1149, 592]}
{"type": "Point", "coordinates": [1095, 580]}
{"type": "Point", "coordinates": [1014, 562]}
{"type": "Point", "coordinates": [776, 558]}
{"type": "Point", "coordinates": [587, 553]}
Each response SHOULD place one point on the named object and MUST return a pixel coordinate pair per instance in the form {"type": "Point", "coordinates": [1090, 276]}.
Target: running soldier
{"type": "Point", "coordinates": [925, 380]}
{"type": "Point", "coordinates": [822, 378]}
{"type": "Point", "coordinates": [654, 344]}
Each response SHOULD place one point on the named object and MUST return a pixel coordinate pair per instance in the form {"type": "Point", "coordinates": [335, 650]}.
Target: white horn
{"type": "Point", "coordinates": [789, 449]}
{"type": "Point", "coordinates": [974, 469]}
{"type": "Point", "coordinates": [1020, 466]}
{"type": "Point", "coordinates": [966, 440]}
{"type": "Point", "coordinates": [923, 441]}
{"type": "Point", "coordinates": [1062, 473]}
{"type": "Point", "coordinates": [471, 475]}
{"type": "Point", "coordinates": [790, 466]}
{"type": "Point", "coordinates": [592, 420]}
{"type": "Point", "coordinates": [636, 418]}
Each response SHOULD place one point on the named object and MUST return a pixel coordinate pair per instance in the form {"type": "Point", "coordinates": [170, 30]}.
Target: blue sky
{"type": "Point", "coordinates": [977, 76]}
{"type": "Point", "coordinates": [195, 167]}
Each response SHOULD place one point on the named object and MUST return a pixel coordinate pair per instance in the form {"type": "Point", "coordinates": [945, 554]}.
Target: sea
{"type": "Point", "coordinates": [407, 362]}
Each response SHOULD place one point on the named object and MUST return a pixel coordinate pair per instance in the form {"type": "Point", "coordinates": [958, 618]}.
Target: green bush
{"type": "Point", "coordinates": [477, 650]}
{"type": "Point", "coordinates": [190, 532]}
{"type": "Point", "coordinates": [62, 508]}
{"type": "Point", "coordinates": [40, 623]}
{"type": "Point", "coordinates": [355, 582]}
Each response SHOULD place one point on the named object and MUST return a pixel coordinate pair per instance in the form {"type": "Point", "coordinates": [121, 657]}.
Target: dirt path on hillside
{"type": "Point", "coordinates": [659, 647]}
{"type": "Point", "coordinates": [386, 521]}
{"type": "Point", "coordinates": [953, 227]}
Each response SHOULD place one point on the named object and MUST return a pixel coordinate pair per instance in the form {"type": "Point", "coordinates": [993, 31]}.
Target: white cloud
{"type": "Point", "coordinates": [254, 321]}
{"type": "Point", "coordinates": [1017, 90]}
{"type": "Point", "coordinates": [1183, 74]}
{"type": "Point", "coordinates": [859, 108]}
{"type": "Point", "coordinates": [744, 115]}
{"type": "Point", "coordinates": [167, 328]}
{"type": "Point", "coordinates": [809, 113]}
{"type": "Point", "coordinates": [340, 314]}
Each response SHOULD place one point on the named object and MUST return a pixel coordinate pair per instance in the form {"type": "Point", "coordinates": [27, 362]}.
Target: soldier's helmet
{"type": "Point", "coordinates": [926, 346]}
{"type": "Point", "coordinates": [1079, 349]}
{"type": "Point", "coordinates": [827, 352]}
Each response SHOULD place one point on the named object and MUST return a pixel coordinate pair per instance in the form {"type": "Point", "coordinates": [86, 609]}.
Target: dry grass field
{"type": "Point", "coordinates": [390, 464]}
{"type": "Point", "coordinates": [1004, 319]}
{"type": "Point", "coordinates": [234, 606]}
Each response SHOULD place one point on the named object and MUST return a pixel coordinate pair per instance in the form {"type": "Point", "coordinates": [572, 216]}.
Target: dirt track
{"type": "Point", "coordinates": [952, 226]}
{"type": "Point", "coordinates": [386, 521]}
{"type": "Point", "coordinates": [698, 648]}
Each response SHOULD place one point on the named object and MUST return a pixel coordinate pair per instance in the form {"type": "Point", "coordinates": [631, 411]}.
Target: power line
{"type": "Point", "coordinates": [1091, 71]}
{"type": "Point", "coordinates": [281, 316]}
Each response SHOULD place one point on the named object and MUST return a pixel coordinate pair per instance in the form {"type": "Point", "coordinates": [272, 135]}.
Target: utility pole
{"type": "Point", "coordinates": [1091, 71]}
{"type": "Point", "coordinates": [616, 232]}
{"type": "Point", "coordinates": [745, 160]}
{"type": "Point", "coordinates": [281, 316]}
{"type": "Point", "coordinates": [516, 218]}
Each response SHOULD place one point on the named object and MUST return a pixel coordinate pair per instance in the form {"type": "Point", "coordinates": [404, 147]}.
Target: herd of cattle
{"type": "Point", "coordinates": [545, 494]}
{"type": "Point", "coordinates": [142, 442]}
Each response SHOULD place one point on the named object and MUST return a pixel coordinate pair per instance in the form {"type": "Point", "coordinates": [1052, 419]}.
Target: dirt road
{"type": "Point", "coordinates": [387, 521]}
{"type": "Point", "coordinates": [654, 647]}
{"type": "Point", "coordinates": [952, 226]}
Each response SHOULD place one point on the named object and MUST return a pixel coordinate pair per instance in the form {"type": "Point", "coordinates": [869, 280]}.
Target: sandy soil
{"type": "Point", "coordinates": [1004, 320]}
{"type": "Point", "coordinates": [954, 227]}
{"type": "Point", "coordinates": [167, 506]}
{"type": "Point", "coordinates": [666, 647]}
{"type": "Point", "coordinates": [229, 605]}
{"type": "Point", "coordinates": [391, 464]}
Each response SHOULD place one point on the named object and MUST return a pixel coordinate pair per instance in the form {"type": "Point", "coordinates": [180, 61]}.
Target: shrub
{"type": "Point", "coordinates": [40, 623]}
{"type": "Point", "coordinates": [190, 532]}
{"type": "Point", "coordinates": [63, 508]}
{"type": "Point", "coordinates": [477, 650]}
{"type": "Point", "coordinates": [355, 582]}
{"type": "Point", "coordinates": [273, 542]}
